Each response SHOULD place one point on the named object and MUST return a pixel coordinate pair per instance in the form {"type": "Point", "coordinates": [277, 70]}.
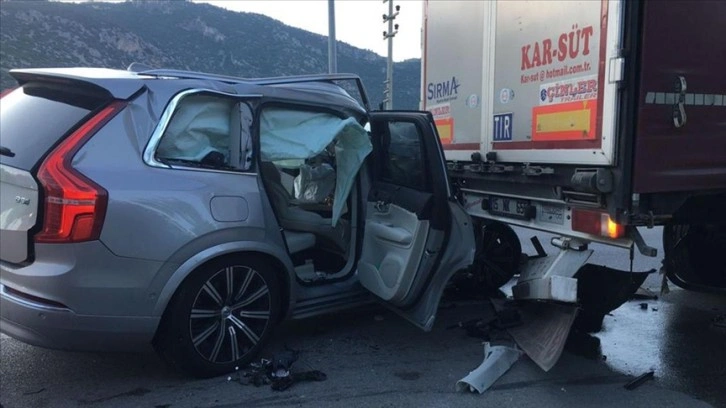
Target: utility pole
{"type": "Point", "coordinates": [332, 49]}
{"type": "Point", "coordinates": [388, 35]}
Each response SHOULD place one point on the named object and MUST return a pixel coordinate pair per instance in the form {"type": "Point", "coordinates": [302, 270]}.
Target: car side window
{"type": "Point", "coordinates": [208, 131]}
{"type": "Point", "coordinates": [403, 156]}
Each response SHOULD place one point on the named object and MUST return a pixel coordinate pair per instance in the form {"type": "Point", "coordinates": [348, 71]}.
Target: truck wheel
{"type": "Point", "coordinates": [220, 317]}
{"type": "Point", "coordinates": [694, 256]}
{"type": "Point", "coordinates": [498, 255]}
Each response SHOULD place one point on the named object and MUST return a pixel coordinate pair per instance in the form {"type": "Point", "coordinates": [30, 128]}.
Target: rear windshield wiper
{"type": "Point", "coordinates": [6, 152]}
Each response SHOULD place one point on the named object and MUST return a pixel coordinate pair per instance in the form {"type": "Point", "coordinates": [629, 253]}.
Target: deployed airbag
{"type": "Point", "coordinates": [201, 125]}
{"type": "Point", "coordinates": [293, 134]}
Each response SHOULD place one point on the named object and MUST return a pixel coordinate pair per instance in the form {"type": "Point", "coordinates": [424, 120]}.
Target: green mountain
{"type": "Point", "coordinates": [182, 35]}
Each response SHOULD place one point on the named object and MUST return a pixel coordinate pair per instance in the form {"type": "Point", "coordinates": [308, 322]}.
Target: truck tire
{"type": "Point", "coordinates": [694, 256]}
{"type": "Point", "coordinates": [498, 254]}
{"type": "Point", "coordinates": [220, 317]}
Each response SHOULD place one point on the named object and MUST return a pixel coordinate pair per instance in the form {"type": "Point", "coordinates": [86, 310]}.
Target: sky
{"type": "Point", "coordinates": [358, 22]}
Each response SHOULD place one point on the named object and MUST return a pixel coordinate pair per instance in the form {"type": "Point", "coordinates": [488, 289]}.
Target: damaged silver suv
{"type": "Point", "coordinates": [193, 212]}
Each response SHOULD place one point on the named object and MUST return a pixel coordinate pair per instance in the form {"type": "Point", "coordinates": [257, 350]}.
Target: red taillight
{"type": "Point", "coordinates": [596, 223]}
{"type": "Point", "coordinates": [74, 205]}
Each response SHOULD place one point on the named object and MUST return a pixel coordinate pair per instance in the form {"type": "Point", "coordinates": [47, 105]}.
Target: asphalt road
{"type": "Point", "coordinates": [373, 358]}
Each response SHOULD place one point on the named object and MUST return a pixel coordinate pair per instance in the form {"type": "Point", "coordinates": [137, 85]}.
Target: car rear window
{"type": "Point", "coordinates": [34, 117]}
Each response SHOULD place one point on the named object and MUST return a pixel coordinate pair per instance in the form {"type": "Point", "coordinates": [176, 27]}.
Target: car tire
{"type": "Point", "coordinates": [220, 317]}
{"type": "Point", "coordinates": [499, 254]}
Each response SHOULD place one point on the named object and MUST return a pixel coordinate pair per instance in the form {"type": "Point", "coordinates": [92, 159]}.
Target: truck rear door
{"type": "Point", "coordinates": [681, 131]}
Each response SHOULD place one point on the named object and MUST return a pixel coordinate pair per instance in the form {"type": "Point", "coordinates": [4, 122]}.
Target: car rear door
{"type": "Point", "coordinates": [416, 235]}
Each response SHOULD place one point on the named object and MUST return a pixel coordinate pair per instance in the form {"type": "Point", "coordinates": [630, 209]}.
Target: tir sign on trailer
{"type": "Point", "coordinates": [532, 84]}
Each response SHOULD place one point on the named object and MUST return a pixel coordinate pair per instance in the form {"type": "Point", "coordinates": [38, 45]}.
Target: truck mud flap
{"type": "Point", "coordinates": [601, 290]}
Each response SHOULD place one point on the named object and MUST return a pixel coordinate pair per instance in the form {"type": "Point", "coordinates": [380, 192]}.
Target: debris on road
{"type": "Point", "coordinates": [644, 306]}
{"type": "Point", "coordinates": [492, 328]}
{"type": "Point", "coordinates": [477, 328]}
{"type": "Point", "coordinates": [719, 321]}
{"type": "Point", "coordinates": [644, 294]}
{"type": "Point", "coordinates": [497, 361]}
{"type": "Point", "coordinates": [544, 330]}
{"type": "Point", "coordinates": [277, 372]}
{"type": "Point", "coordinates": [282, 362]}
{"type": "Point", "coordinates": [640, 380]}
{"type": "Point", "coordinates": [539, 330]}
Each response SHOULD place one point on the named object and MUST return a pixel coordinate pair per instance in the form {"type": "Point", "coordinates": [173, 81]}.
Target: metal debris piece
{"type": "Point", "coordinates": [637, 382]}
{"type": "Point", "coordinates": [497, 361]}
{"type": "Point", "coordinates": [282, 362]}
{"type": "Point", "coordinates": [644, 306]}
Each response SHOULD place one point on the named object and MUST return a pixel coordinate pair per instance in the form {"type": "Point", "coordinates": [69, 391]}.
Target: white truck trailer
{"type": "Point", "coordinates": [585, 119]}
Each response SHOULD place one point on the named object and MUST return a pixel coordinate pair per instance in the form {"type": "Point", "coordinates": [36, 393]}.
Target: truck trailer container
{"type": "Point", "coordinates": [585, 119]}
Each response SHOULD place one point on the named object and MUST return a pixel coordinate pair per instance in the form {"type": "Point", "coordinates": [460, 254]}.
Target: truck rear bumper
{"type": "Point", "coordinates": [53, 327]}
{"type": "Point", "coordinates": [557, 288]}
{"type": "Point", "coordinates": [551, 277]}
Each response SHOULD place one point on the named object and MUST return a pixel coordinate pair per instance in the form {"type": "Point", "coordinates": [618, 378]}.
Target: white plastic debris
{"type": "Point", "coordinates": [497, 361]}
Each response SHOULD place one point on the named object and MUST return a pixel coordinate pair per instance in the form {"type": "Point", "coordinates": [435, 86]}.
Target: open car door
{"type": "Point", "coordinates": [416, 235]}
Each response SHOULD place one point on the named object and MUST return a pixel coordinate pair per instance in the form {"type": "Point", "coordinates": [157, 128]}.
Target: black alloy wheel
{"type": "Point", "coordinates": [230, 314]}
{"type": "Point", "coordinates": [220, 317]}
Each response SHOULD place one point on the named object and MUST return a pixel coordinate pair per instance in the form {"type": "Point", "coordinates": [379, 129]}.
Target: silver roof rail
{"type": "Point", "coordinates": [293, 79]}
